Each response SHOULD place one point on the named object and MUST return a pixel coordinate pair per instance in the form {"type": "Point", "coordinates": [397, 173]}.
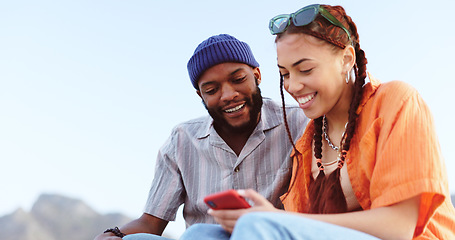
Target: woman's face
{"type": "Point", "coordinates": [314, 73]}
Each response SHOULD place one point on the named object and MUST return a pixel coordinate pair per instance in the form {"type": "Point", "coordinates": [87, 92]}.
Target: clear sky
{"type": "Point", "coordinates": [90, 89]}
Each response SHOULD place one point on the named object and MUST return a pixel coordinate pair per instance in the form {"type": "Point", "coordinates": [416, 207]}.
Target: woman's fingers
{"type": "Point", "coordinates": [260, 203]}
{"type": "Point", "coordinates": [228, 218]}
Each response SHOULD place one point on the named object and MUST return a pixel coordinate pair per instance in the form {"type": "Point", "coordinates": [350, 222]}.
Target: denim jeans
{"type": "Point", "coordinates": [268, 226]}
{"type": "Point", "coordinates": [144, 236]}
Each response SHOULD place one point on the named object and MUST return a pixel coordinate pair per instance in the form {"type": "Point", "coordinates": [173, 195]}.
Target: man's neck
{"type": "Point", "coordinates": [236, 140]}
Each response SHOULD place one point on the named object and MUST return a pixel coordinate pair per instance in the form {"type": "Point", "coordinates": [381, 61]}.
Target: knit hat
{"type": "Point", "coordinates": [215, 50]}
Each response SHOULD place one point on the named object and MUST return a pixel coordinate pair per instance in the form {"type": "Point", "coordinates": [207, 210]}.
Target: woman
{"type": "Point", "coordinates": [368, 165]}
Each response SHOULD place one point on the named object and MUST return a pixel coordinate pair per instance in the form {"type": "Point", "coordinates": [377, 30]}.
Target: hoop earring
{"type": "Point", "coordinates": [347, 78]}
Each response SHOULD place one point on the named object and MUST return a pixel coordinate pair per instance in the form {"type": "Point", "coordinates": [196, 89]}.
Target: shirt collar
{"type": "Point", "coordinates": [368, 91]}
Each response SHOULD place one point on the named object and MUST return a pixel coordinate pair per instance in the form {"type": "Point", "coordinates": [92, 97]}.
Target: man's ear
{"type": "Point", "coordinates": [199, 93]}
{"type": "Point", "coordinates": [348, 58]}
{"type": "Point", "coordinates": [257, 74]}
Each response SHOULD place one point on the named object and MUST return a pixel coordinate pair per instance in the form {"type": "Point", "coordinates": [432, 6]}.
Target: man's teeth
{"type": "Point", "coordinates": [234, 108]}
{"type": "Point", "coordinates": [306, 99]}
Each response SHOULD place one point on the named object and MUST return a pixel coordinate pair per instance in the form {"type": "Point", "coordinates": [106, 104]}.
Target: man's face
{"type": "Point", "coordinates": [231, 95]}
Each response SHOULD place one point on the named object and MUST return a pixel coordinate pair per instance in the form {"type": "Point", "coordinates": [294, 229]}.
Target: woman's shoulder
{"type": "Point", "coordinates": [392, 94]}
{"type": "Point", "coordinates": [388, 100]}
{"type": "Point", "coordinates": [395, 89]}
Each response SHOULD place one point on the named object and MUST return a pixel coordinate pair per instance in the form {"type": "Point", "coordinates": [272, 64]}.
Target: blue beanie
{"type": "Point", "coordinates": [215, 50]}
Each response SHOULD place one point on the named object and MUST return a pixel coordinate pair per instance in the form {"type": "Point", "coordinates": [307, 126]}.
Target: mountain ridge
{"type": "Point", "coordinates": [54, 217]}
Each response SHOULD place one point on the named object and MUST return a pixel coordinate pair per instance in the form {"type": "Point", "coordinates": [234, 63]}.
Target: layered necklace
{"type": "Point", "coordinates": [333, 146]}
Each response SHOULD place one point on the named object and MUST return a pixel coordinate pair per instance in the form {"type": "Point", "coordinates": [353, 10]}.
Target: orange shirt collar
{"type": "Point", "coordinates": [368, 91]}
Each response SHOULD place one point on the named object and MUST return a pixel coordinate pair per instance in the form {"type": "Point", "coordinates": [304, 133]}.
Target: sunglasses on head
{"type": "Point", "coordinates": [302, 17]}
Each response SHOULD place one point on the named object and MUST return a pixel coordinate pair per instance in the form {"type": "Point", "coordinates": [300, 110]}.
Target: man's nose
{"type": "Point", "coordinates": [228, 93]}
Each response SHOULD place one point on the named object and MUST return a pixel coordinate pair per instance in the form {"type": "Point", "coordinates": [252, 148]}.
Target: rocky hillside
{"type": "Point", "coordinates": [54, 217]}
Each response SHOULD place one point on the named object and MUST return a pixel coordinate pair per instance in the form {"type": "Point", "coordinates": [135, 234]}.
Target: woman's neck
{"type": "Point", "coordinates": [339, 115]}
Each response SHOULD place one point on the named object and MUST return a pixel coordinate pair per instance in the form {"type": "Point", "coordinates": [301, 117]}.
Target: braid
{"type": "Point", "coordinates": [330, 198]}
{"type": "Point", "coordinates": [287, 129]}
{"type": "Point", "coordinates": [325, 38]}
{"type": "Point", "coordinates": [318, 138]}
{"type": "Point", "coordinates": [316, 186]}
{"type": "Point", "coordinates": [284, 114]}
{"type": "Point", "coordinates": [333, 199]}
{"type": "Point", "coordinates": [360, 75]}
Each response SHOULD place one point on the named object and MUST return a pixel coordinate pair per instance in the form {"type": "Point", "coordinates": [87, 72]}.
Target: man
{"type": "Point", "coordinates": [242, 144]}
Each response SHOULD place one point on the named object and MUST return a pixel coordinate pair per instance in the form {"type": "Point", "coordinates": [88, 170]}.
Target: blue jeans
{"type": "Point", "coordinates": [268, 226]}
{"type": "Point", "coordinates": [144, 236]}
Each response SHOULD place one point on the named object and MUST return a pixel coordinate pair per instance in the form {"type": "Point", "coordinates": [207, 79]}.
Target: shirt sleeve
{"type": "Point", "coordinates": [167, 191]}
{"type": "Point", "coordinates": [408, 157]}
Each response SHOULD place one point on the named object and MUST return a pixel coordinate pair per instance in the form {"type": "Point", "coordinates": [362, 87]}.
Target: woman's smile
{"type": "Point", "coordinates": [306, 100]}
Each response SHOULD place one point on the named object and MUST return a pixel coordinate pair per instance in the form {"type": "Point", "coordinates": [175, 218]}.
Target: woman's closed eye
{"type": "Point", "coordinates": [284, 75]}
{"type": "Point", "coordinates": [307, 71]}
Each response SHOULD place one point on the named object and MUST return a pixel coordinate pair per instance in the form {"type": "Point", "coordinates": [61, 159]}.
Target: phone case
{"type": "Point", "coordinates": [229, 199]}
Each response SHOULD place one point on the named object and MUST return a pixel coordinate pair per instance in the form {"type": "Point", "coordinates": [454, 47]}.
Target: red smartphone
{"type": "Point", "coordinates": [229, 199]}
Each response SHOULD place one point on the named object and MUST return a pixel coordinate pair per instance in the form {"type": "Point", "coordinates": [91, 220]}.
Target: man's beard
{"type": "Point", "coordinates": [255, 102]}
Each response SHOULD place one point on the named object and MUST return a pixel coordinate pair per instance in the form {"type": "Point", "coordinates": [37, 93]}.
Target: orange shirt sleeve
{"type": "Point", "coordinates": [408, 160]}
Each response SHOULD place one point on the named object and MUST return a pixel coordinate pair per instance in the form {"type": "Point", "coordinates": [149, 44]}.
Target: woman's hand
{"type": "Point", "coordinates": [228, 218]}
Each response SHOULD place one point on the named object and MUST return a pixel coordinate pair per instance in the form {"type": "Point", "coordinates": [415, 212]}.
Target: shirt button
{"type": "Point", "coordinates": [236, 169]}
{"type": "Point", "coordinates": [349, 161]}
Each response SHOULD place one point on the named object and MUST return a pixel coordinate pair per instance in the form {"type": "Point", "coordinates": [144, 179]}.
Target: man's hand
{"type": "Point", "coordinates": [228, 218]}
{"type": "Point", "coordinates": [145, 224]}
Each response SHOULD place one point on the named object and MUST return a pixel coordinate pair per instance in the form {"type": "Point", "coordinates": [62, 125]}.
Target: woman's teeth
{"type": "Point", "coordinates": [303, 100]}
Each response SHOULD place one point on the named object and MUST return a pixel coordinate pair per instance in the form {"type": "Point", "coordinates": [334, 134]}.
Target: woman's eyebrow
{"type": "Point", "coordinates": [296, 63]}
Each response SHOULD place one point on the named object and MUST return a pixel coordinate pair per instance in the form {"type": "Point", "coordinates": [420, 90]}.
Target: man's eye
{"type": "Point", "coordinates": [239, 80]}
{"type": "Point", "coordinates": [210, 91]}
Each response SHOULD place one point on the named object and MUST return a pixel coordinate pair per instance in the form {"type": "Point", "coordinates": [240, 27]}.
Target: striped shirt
{"type": "Point", "coordinates": [195, 162]}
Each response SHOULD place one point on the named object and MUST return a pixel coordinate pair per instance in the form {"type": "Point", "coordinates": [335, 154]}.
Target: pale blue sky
{"type": "Point", "coordinates": [90, 89]}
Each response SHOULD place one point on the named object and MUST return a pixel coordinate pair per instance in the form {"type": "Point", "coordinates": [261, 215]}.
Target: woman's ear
{"type": "Point", "coordinates": [348, 58]}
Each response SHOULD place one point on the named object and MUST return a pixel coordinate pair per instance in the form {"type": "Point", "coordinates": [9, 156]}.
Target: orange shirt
{"type": "Point", "coordinates": [394, 155]}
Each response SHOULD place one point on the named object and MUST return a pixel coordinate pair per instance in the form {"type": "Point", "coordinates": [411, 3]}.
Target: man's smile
{"type": "Point", "coordinates": [234, 109]}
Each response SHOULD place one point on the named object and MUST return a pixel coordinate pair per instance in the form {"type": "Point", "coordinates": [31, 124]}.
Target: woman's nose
{"type": "Point", "coordinates": [292, 85]}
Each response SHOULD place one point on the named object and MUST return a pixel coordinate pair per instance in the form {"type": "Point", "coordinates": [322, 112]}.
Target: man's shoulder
{"type": "Point", "coordinates": [273, 116]}
{"type": "Point", "coordinates": [195, 127]}
{"type": "Point", "coordinates": [195, 121]}
{"type": "Point", "coordinates": [277, 108]}
{"type": "Point", "coordinates": [271, 104]}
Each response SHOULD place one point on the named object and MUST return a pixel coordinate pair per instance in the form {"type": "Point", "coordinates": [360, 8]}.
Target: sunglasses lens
{"type": "Point", "coordinates": [305, 17]}
{"type": "Point", "coordinates": [279, 24]}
